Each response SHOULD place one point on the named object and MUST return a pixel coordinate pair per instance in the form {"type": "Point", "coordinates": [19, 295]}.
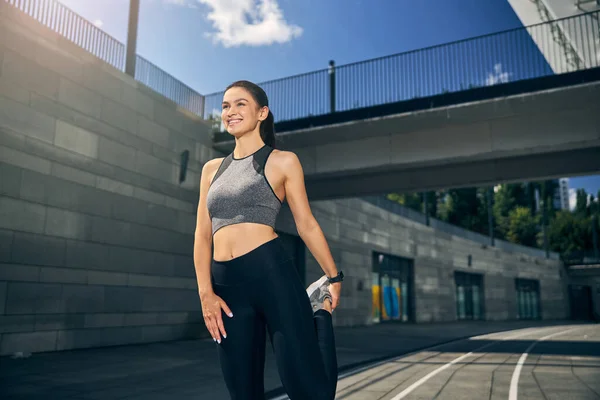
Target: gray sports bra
{"type": "Point", "coordinates": [240, 192]}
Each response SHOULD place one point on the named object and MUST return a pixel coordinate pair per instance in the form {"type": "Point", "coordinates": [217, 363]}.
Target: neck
{"type": "Point", "coordinates": [247, 144]}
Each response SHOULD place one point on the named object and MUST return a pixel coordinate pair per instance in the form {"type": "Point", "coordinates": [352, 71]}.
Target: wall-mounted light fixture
{"type": "Point", "coordinates": [185, 156]}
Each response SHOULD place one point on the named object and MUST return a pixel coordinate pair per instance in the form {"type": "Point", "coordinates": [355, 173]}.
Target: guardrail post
{"type": "Point", "coordinates": [331, 86]}
{"type": "Point", "coordinates": [132, 28]}
{"type": "Point", "coordinates": [490, 215]}
{"type": "Point", "coordinates": [426, 208]}
{"type": "Point", "coordinates": [595, 235]}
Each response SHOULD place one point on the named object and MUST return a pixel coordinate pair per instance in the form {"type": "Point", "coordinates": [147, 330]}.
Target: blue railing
{"type": "Point", "coordinates": [165, 84]}
{"type": "Point", "coordinates": [558, 46]}
{"type": "Point", "coordinates": [563, 45]}
{"type": "Point", "coordinates": [72, 26]}
{"type": "Point", "coordinates": [86, 35]}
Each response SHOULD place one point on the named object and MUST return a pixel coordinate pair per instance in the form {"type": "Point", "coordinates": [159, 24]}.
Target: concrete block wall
{"type": "Point", "coordinates": [355, 228]}
{"type": "Point", "coordinates": [96, 232]}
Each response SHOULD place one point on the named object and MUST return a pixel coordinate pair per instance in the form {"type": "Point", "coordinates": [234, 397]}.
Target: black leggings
{"type": "Point", "coordinates": [264, 292]}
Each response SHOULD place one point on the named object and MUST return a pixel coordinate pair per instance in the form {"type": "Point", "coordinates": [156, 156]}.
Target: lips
{"type": "Point", "coordinates": [233, 122]}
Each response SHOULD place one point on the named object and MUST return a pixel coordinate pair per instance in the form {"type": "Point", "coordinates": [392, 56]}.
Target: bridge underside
{"type": "Point", "coordinates": [543, 134]}
{"type": "Point", "coordinates": [454, 174]}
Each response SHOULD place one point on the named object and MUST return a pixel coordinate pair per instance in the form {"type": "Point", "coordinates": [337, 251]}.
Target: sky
{"type": "Point", "coordinates": [208, 44]}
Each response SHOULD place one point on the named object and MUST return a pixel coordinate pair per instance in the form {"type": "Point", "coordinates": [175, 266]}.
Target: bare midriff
{"type": "Point", "coordinates": [236, 240]}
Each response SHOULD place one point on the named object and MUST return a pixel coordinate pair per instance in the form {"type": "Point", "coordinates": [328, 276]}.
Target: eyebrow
{"type": "Point", "coordinates": [236, 100]}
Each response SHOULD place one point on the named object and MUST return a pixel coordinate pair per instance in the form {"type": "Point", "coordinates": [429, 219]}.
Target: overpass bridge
{"type": "Point", "coordinates": [496, 108]}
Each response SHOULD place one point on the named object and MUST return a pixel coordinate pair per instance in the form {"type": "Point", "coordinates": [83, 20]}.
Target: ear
{"type": "Point", "coordinates": [263, 114]}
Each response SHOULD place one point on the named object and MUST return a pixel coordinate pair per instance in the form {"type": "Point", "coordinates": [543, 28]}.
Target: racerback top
{"type": "Point", "coordinates": [240, 192]}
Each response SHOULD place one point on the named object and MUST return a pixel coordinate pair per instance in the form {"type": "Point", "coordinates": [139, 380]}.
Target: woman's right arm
{"type": "Point", "coordinates": [211, 303]}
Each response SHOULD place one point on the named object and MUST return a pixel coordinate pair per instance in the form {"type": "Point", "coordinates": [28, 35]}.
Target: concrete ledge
{"type": "Point", "coordinates": [68, 175]}
{"type": "Point", "coordinates": [56, 340]}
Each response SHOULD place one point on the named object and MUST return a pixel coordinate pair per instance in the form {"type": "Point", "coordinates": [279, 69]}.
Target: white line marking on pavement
{"type": "Point", "coordinates": [514, 382]}
{"type": "Point", "coordinates": [522, 332]}
{"type": "Point", "coordinates": [412, 353]}
{"type": "Point", "coordinates": [424, 379]}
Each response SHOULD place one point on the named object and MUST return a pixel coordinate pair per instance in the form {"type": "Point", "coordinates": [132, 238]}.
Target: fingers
{"type": "Point", "coordinates": [220, 327]}
{"type": "Point", "coordinates": [219, 319]}
{"type": "Point", "coordinates": [213, 328]}
{"type": "Point", "coordinates": [226, 309]}
{"type": "Point", "coordinates": [336, 301]}
{"type": "Point", "coordinates": [214, 322]}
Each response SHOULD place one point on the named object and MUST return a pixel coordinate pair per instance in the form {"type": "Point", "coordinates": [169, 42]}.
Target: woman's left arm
{"type": "Point", "coordinates": [306, 224]}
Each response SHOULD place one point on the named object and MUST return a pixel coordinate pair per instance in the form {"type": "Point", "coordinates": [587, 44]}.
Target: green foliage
{"type": "Point", "coordinates": [522, 226]}
{"type": "Point", "coordinates": [581, 205]}
{"type": "Point", "coordinates": [569, 232]}
{"type": "Point", "coordinates": [215, 120]}
{"type": "Point", "coordinates": [410, 200]}
{"type": "Point", "coordinates": [507, 198]}
{"type": "Point", "coordinates": [466, 208]}
{"type": "Point", "coordinates": [517, 216]}
{"type": "Point", "coordinates": [415, 201]}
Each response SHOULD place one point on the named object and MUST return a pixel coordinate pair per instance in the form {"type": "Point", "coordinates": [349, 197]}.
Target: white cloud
{"type": "Point", "coordinates": [498, 76]}
{"type": "Point", "coordinates": [186, 3]}
{"type": "Point", "coordinates": [98, 23]}
{"type": "Point", "coordinates": [246, 22]}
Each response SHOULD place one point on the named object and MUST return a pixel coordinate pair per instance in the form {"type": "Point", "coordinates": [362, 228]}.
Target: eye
{"type": "Point", "coordinates": [241, 104]}
{"type": "Point", "coordinates": [224, 107]}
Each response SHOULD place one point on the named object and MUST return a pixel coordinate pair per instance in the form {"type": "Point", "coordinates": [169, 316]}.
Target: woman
{"type": "Point", "coordinates": [251, 286]}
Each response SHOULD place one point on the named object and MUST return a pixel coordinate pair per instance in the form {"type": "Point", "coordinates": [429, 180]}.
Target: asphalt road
{"type": "Point", "coordinates": [561, 362]}
{"type": "Point", "coordinates": [567, 366]}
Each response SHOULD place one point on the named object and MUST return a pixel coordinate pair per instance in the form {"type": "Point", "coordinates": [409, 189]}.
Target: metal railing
{"type": "Point", "coordinates": [512, 55]}
{"type": "Point", "coordinates": [581, 257]}
{"type": "Point", "coordinates": [398, 209]}
{"type": "Point", "coordinates": [508, 56]}
{"type": "Point", "coordinates": [89, 37]}
{"type": "Point", "coordinates": [77, 29]}
{"type": "Point", "coordinates": [170, 87]}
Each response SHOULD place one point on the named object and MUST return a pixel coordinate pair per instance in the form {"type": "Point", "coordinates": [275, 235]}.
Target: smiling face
{"type": "Point", "coordinates": [240, 112]}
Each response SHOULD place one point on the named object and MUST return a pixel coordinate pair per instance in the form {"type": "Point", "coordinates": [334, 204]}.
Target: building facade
{"type": "Point", "coordinates": [400, 269]}
{"type": "Point", "coordinates": [579, 47]}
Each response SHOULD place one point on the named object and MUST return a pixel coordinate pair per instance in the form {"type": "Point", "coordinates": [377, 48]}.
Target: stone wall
{"type": "Point", "coordinates": [356, 228]}
{"type": "Point", "coordinates": [96, 231]}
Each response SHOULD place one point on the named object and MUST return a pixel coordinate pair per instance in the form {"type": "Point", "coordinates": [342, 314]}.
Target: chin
{"type": "Point", "coordinates": [236, 131]}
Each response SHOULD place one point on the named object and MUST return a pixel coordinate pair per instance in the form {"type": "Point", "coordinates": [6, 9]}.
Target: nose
{"type": "Point", "coordinates": [231, 111]}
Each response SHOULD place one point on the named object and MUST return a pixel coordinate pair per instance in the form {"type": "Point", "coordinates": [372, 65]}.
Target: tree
{"type": "Point", "coordinates": [569, 232]}
{"type": "Point", "coordinates": [463, 207]}
{"type": "Point", "coordinates": [507, 198]}
{"type": "Point", "coordinates": [522, 226]}
{"type": "Point", "coordinates": [415, 201]}
{"type": "Point", "coordinates": [410, 200]}
{"type": "Point", "coordinates": [581, 205]}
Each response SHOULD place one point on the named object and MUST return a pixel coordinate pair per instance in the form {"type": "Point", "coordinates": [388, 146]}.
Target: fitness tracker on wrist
{"type": "Point", "coordinates": [338, 278]}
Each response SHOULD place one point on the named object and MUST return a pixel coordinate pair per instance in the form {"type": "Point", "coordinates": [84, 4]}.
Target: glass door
{"type": "Point", "coordinates": [391, 288]}
{"type": "Point", "coordinates": [528, 298]}
{"type": "Point", "coordinates": [469, 295]}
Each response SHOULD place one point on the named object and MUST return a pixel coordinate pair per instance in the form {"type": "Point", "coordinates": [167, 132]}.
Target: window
{"type": "Point", "coordinates": [392, 287]}
{"type": "Point", "coordinates": [528, 298]}
{"type": "Point", "coordinates": [469, 295]}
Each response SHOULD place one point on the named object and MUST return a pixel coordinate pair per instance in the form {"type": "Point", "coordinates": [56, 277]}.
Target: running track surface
{"type": "Point", "coordinates": [561, 362]}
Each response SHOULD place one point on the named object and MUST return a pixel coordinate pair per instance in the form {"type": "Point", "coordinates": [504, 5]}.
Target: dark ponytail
{"type": "Point", "coordinates": [267, 130]}
{"type": "Point", "coordinates": [267, 127]}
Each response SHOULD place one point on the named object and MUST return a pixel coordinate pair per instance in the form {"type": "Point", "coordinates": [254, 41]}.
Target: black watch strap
{"type": "Point", "coordinates": [338, 278]}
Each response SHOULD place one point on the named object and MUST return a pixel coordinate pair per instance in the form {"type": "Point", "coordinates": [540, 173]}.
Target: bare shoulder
{"type": "Point", "coordinates": [285, 160]}
{"type": "Point", "coordinates": [212, 165]}
{"type": "Point", "coordinates": [209, 169]}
